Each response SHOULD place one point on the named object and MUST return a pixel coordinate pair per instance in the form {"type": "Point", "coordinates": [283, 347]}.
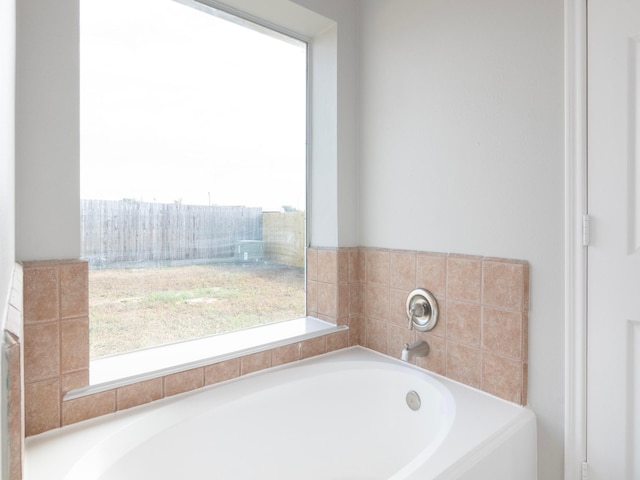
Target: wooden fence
{"type": "Point", "coordinates": [283, 235]}
{"type": "Point", "coordinates": [126, 233]}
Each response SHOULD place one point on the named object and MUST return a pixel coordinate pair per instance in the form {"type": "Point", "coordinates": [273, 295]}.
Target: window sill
{"type": "Point", "coordinates": [118, 370]}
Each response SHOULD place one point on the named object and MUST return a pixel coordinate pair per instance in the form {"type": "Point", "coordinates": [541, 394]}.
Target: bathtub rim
{"type": "Point", "coordinates": [367, 353]}
{"type": "Point", "coordinates": [518, 415]}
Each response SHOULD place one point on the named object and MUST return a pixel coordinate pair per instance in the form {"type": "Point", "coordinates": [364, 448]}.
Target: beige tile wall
{"type": "Point", "coordinates": [13, 343]}
{"type": "Point", "coordinates": [56, 338]}
{"type": "Point", "coordinates": [333, 288]}
{"type": "Point", "coordinates": [480, 339]}
{"type": "Point", "coordinates": [57, 353]}
{"type": "Point", "coordinates": [481, 335]}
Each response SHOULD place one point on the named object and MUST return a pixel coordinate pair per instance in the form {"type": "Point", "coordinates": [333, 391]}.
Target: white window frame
{"type": "Point", "coordinates": [114, 371]}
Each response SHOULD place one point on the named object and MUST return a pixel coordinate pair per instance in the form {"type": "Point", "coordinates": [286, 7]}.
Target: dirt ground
{"type": "Point", "coordinates": [138, 308]}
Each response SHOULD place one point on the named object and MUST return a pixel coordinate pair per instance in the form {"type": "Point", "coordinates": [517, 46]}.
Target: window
{"type": "Point", "coordinates": [193, 172]}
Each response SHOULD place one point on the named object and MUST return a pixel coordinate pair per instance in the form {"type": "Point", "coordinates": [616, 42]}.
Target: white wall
{"type": "Point", "coordinates": [448, 137]}
{"type": "Point", "coordinates": [334, 122]}
{"type": "Point", "coordinates": [7, 162]}
{"type": "Point", "coordinates": [346, 15]}
{"type": "Point", "coordinates": [462, 151]}
{"type": "Point", "coordinates": [7, 191]}
{"type": "Point", "coordinates": [323, 166]}
{"type": "Point", "coordinates": [47, 130]}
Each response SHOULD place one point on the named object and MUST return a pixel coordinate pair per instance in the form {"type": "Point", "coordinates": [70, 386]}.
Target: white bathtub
{"type": "Point", "coordinates": [343, 415]}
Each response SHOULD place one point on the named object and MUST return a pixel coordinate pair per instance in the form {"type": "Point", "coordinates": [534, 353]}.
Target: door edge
{"type": "Point", "coordinates": [575, 422]}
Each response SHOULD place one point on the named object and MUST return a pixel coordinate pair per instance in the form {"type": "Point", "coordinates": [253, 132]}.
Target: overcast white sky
{"type": "Point", "coordinates": [177, 104]}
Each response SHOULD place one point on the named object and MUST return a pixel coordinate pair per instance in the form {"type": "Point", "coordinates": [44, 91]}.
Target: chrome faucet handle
{"type": "Point", "coordinates": [422, 310]}
{"type": "Point", "coordinates": [417, 310]}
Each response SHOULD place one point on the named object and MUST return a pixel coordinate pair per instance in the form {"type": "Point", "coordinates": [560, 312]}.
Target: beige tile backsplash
{"type": "Point", "coordinates": [56, 339]}
{"type": "Point", "coordinates": [483, 303]}
{"type": "Point", "coordinates": [13, 342]}
{"type": "Point", "coordinates": [480, 340]}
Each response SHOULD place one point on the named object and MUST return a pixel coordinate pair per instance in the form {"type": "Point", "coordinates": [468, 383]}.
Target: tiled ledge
{"type": "Point", "coordinates": [141, 365]}
{"type": "Point", "coordinates": [57, 353]}
{"type": "Point", "coordinates": [213, 371]}
{"type": "Point", "coordinates": [481, 339]}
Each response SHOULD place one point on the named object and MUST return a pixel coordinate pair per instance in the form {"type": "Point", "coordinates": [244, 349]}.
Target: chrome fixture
{"type": "Point", "coordinates": [422, 310]}
{"type": "Point", "coordinates": [417, 349]}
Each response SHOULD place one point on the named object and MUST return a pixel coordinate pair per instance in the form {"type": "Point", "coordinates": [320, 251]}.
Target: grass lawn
{"type": "Point", "coordinates": [138, 308]}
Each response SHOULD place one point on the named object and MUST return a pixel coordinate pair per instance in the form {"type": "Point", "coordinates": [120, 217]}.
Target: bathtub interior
{"type": "Point", "coordinates": [341, 415]}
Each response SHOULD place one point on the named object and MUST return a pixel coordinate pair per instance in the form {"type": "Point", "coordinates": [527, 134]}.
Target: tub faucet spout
{"type": "Point", "coordinates": [416, 349]}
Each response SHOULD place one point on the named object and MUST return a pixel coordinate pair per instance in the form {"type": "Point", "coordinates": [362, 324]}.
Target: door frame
{"type": "Point", "coordinates": [576, 207]}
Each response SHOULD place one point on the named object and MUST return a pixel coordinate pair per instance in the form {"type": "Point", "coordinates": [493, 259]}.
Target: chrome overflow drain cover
{"type": "Point", "coordinates": [413, 400]}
